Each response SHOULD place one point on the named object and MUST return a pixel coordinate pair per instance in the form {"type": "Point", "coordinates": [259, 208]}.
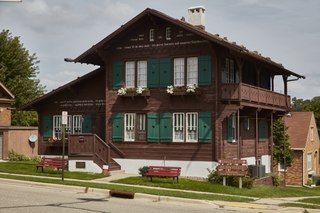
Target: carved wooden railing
{"type": "Point", "coordinates": [249, 93]}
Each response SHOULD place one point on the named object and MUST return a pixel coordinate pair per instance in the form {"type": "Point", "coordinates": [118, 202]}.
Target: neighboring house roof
{"type": "Point", "coordinates": [59, 89]}
{"type": "Point", "coordinates": [91, 57]}
{"type": "Point", "coordinates": [6, 91]}
{"type": "Point", "coordinates": [298, 124]}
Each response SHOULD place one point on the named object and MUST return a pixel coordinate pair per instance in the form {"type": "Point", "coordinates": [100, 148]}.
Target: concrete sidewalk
{"type": "Point", "coordinates": [258, 205]}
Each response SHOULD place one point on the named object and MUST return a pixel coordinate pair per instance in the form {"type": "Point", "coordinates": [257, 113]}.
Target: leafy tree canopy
{"type": "Point", "coordinates": [313, 105]}
{"type": "Point", "coordinates": [18, 72]}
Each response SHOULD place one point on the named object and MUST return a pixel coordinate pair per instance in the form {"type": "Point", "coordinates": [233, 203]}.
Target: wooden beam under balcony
{"type": "Point", "coordinates": [248, 95]}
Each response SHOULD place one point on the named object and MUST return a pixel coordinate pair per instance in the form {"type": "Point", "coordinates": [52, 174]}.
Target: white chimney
{"type": "Point", "coordinates": [196, 16]}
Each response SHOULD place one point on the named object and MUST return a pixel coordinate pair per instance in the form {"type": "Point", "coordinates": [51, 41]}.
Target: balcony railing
{"type": "Point", "coordinates": [248, 93]}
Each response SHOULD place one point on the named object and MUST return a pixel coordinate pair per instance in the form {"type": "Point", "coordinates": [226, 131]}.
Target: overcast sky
{"type": "Point", "coordinates": [287, 31]}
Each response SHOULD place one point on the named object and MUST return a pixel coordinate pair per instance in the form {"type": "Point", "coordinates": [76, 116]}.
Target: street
{"type": "Point", "coordinates": [29, 197]}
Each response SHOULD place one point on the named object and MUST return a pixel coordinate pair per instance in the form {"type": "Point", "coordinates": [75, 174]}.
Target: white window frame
{"type": "Point", "coordinates": [192, 127]}
{"type": "Point", "coordinates": [142, 74]}
{"type": "Point", "coordinates": [309, 161]}
{"type": "Point", "coordinates": [57, 130]}
{"type": "Point", "coordinates": [130, 74]}
{"type": "Point", "coordinates": [192, 71]}
{"type": "Point", "coordinates": [178, 71]}
{"type": "Point", "coordinates": [129, 127]}
{"type": "Point", "coordinates": [281, 167]}
{"type": "Point", "coordinates": [77, 124]}
{"type": "Point", "coordinates": [312, 133]}
{"type": "Point", "coordinates": [168, 33]}
{"type": "Point", "coordinates": [151, 34]}
{"type": "Point", "coordinates": [178, 127]}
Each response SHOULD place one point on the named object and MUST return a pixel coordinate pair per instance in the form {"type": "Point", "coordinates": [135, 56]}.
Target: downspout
{"type": "Point", "coordinates": [303, 168]}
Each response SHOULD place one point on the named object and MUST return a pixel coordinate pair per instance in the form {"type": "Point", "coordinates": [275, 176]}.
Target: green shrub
{"type": "Point", "coordinates": [213, 177]}
{"type": "Point", "coordinates": [14, 156]}
{"type": "Point", "coordinates": [143, 170]}
{"type": "Point", "coordinates": [276, 180]}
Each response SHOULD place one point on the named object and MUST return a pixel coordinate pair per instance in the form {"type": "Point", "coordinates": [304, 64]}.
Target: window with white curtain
{"type": "Point", "coordinates": [142, 74]}
{"type": "Point", "coordinates": [192, 127]}
{"type": "Point", "coordinates": [178, 72]}
{"type": "Point", "coordinates": [178, 127]}
{"type": "Point", "coordinates": [74, 125]}
{"type": "Point", "coordinates": [192, 71]}
{"type": "Point", "coordinates": [129, 126]}
{"type": "Point", "coordinates": [130, 74]}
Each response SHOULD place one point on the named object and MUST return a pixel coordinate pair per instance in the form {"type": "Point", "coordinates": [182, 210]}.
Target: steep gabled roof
{"type": "Point", "coordinates": [91, 57]}
{"type": "Point", "coordinates": [36, 101]}
{"type": "Point", "coordinates": [298, 124]}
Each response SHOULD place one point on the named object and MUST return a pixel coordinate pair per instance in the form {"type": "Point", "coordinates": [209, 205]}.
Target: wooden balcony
{"type": "Point", "coordinates": [254, 96]}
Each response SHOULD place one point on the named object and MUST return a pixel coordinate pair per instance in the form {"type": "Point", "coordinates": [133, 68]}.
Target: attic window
{"type": "Point", "coordinates": [168, 33]}
{"type": "Point", "coordinates": [151, 35]}
{"type": "Point", "coordinates": [311, 134]}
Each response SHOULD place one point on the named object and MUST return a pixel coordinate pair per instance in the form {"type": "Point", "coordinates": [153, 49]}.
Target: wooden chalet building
{"type": "Point", "coordinates": [141, 106]}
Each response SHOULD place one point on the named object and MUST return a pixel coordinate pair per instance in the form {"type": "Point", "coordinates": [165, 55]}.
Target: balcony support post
{"type": "Point", "coordinates": [271, 140]}
{"type": "Point", "coordinates": [256, 141]}
{"type": "Point", "coordinates": [238, 134]}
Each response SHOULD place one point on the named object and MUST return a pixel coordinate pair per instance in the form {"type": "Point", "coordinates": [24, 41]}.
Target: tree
{"type": "Point", "coordinates": [18, 72]}
{"type": "Point", "coordinates": [281, 147]}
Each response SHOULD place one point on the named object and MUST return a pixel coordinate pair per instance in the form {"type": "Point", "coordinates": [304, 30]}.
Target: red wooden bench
{"type": "Point", "coordinates": [163, 171]}
{"type": "Point", "coordinates": [55, 163]}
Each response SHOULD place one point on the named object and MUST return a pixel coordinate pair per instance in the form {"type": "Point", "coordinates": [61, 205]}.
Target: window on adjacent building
{"type": "Point", "coordinates": [178, 72]}
{"type": "Point", "coordinates": [168, 33]}
{"type": "Point", "coordinates": [178, 127]}
{"type": "Point", "coordinates": [311, 133]}
{"type": "Point", "coordinates": [192, 71]}
{"type": "Point", "coordinates": [192, 127]}
{"type": "Point", "coordinates": [130, 74]}
{"type": "Point", "coordinates": [151, 35]}
{"type": "Point", "coordinates": [142, 74]}
{"type": "Point", "coordinates": [309, 161]}
{"type": "Point", "coordinates": [129, 124]}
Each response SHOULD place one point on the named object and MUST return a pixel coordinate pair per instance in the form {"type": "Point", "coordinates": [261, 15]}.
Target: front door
{"type": "Point", "coordinates": [1, 143]}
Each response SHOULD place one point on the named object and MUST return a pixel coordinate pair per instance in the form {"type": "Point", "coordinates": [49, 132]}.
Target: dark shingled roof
{"type": "Point", "coordinates": [298, 128]}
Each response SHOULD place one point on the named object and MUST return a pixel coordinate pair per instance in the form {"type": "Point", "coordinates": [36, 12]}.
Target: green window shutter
{"type": "Point", "coordinates": [153, 127]}
{"type": "Point", "coordinates": [165, 72]}
{"type": "Point", "coordinates": [117, 74]}
{"type": "Point", "coordinates": [87, 124]}
{"type": "Point", "coordinates": [223, 70]}
{"type": "Point", "coordinates": [205, 127]}
{"type": "Point", "coordinates": [230, 133]}
{"type": "Point", "coordinates": [262, 129]}
{"type": "Point", "coordinates": [165, 128]}
{"type": "Point", "coordinates": [117, 127]}
{"type": "Point", "coordinates": [204, 70]}
{"type": "Point", "coordinates": [47, 126]}
{"type": "Point", "coordinates": [153, 73]}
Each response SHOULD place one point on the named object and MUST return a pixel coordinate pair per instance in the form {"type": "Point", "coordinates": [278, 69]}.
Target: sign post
{"type": "Point", "coordinates": [64, 122]}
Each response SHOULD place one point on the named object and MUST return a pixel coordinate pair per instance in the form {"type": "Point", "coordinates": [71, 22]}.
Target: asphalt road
{"type": "Point", "coordinates": [28, 197]}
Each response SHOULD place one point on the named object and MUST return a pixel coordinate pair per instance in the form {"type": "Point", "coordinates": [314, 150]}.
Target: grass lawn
{"type": "Point", "coordinates": [259, 191]}
{"type": "Point", "coordinates": [29, 168]}
{"type": "Point", "coordinates": [157, 192]}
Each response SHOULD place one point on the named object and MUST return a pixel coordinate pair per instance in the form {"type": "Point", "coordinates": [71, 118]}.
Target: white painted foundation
{"type": "Point", "coordinates": [90, 166]}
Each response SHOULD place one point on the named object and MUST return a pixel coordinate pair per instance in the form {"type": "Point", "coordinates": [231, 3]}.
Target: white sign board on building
{"type": "Point", "coordinates": [64, 120]}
